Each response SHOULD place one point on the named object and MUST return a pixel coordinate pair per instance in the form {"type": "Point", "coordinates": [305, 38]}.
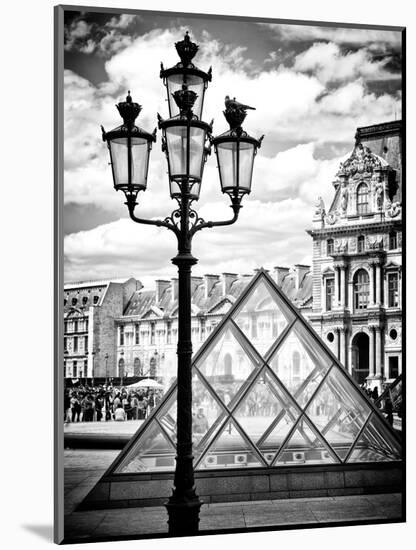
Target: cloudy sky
{"type": "Point", "coordinates": [311, 86]}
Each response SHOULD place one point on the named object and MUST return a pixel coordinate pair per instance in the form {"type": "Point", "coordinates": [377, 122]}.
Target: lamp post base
{"type": "Point", "coordinates": [183, 515]}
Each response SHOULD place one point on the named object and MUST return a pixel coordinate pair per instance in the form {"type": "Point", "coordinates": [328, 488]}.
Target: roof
{"type": "Point", "coordinates": [143, 302]}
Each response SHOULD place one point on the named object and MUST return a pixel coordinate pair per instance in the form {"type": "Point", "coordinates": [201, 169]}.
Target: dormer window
{"type": "Point", "coordinates": [329, 247]}
{"type": "Point", "coordinates": [95, 300]}
{"type": "Point", "coordinates": [74, 301]}
{"type": "Point", "coordinates": [362, 199]}
{"type": "Point", "coordinates": [361, 244]}
{"type": "Point", "coordinates": [84, 300]}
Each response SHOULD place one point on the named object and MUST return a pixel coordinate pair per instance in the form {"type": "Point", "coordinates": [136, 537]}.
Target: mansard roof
{"type": "Point", "coordinates": [144, 301]}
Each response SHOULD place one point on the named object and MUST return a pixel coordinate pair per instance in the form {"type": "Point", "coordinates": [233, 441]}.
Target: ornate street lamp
{"type": "Point", "coordinates": [186, 141]}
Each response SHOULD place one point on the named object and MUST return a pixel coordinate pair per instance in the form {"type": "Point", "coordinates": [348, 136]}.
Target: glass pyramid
{"type": "Point", "coordinates": [266, 393]}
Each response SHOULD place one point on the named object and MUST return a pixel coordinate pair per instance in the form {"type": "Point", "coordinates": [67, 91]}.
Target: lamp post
{"type": "Point", "coordinates": [186, 141]}
{"type": "Point", "coordinates": [106, 369]}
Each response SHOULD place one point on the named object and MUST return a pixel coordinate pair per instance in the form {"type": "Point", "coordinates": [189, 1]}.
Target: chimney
{"type": "Point", "coordinates": [161, 286]}
{"type": "Point", "coordinates": [174, 288]}
{"type": "Point", "coordinates": [279, 273]}
{"type": "Point", "coordinates": [195, 282]}
{"type": "Point", "coordinates": [209, 282]}
{"type": "Point", "coordinates": [227, 279]}
{"type": "Point", "coordinates": [300, 271]}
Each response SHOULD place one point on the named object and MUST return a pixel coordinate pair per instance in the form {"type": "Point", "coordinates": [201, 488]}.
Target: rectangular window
{"type": "Point", "coordinates": [329, 294]}
{"type": "Point", "coordinates": [360, 244]}
{"type": "Point", "coordinates": [169, 332]}
{"type": "Point", "coordinates": [75, 326]}
{"type": "Point", "coordinates": [393, 241]}
{"type": "Point", "coordinates": [85, 343]}
{"type": "Point", "coordinates": [137, 334]}
{"type": "Point", "coordinates": [152, 333]}
{"type": "Point", "coordinates": [85, 367]}
{"type": "Point", "coordinates": [65, 369]}
{"type": "Point", "coordinates": [393, 289]}
{"type": "Point", "coordinates": [86, 325]}
{"type": "Point", "coordinates": [121, 335]}
{"type": "Point", "coordinates": [74, 369]}
{"type": "Point", "coordinates": [75, 344]}
{"type": "Point", "coordinates": [393, 367]}
{"type": "Point", "coordinates": [65, 344]}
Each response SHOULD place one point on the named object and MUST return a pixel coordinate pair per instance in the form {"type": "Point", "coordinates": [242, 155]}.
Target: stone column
{"type": "Point", "coordinates": [371, 297]}
{"type": "Point", "coordinates": [351, 296]}
{"type": "Point", "coordinates": [342, 346]}
{"type": "Point", "coordinates": [378, 285]}
{"type": "Point", "coordinates": [342, 272]}
{"type": "Point", "coordinates": [378, 365]}
{"type": "Point", "coordinates": [371, 365]}
{"type": "Point", "coordinates": [350, 357]}
{"type": "Point", "coordinates": [336, 289]}
{"type": "Point", "coordinates": [337, 350]}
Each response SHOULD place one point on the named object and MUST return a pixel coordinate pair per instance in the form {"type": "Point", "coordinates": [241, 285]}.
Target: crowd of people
{"type": "Point", "coordinates": [108, 403]}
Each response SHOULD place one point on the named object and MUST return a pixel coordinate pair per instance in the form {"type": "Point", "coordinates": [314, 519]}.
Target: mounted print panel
{"type": "Point", "coordinates": [232, 298]}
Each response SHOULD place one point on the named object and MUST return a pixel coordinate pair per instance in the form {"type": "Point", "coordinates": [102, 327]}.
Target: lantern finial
{"type": "Point", "coordinates": [186, 49]}
{"type": "Point", "coordinates": [129, 110]}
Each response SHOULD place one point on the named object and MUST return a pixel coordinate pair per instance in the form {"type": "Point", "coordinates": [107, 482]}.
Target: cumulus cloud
{"type": "Point", "coordinates": [327, 62]}
{"type": "Point", "coordinates": [305, 33]}
{"type": "Point", "coordinates": [294, 105]}
{"type": "Point", "coordinates": [144, 251]}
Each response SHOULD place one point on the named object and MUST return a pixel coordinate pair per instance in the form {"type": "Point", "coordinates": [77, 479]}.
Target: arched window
{"type": "Point", "coordinates": [121, 368]}
{"type": "Point", "coordinates": [361, 289]}
{"type": "Point", "coordinates": [361, 244]}
{"type": "Point", "coordinates": [362, 199]}
{"type": "Point", "coordinates": [295, 367]}
{"type": "Point", "coordinates": [329, 247]}
{"type": "Point", "coordinates": [228, 364]}
{"type": "Point", "coordinates": [137, 367]}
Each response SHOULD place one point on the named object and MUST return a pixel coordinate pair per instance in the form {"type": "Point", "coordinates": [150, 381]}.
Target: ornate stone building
{"type": "Point", "coordinates": [357, 258]}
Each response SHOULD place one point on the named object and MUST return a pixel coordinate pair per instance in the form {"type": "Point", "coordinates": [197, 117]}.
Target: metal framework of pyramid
{"type": "Point", "coordinates": [266, 393]}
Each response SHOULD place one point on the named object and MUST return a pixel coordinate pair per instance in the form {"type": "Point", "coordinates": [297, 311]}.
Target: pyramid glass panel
{"type": "Point", "coordinates": [262, 317]}
{"type": "Point", "coordinates": [227, 364]}
{"type": "Point", "coordinates": [305, 446]}
{"type": "Point", "coordinates": [338, 411]}
{"type": "Point", "coordinates": [266, 414]}
{"type": "Point", "coordinates": [152, 452]}
{"type": "Point", "coordinates": [300, 363]}
{"type": "Point", "coordinates": [229, 450]}
{"type": "Point", "coordinates": [206, 412]}
{"type": "Point", "coordinates": [284, 420]}
{"type": "Point", "coordinates": [376, 444]}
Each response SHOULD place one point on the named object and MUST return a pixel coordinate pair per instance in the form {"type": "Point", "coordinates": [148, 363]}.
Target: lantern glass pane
{"type": "Point", "coordinates": [194, 83]}
{"type": "Point", "coordinates": [233, 153]}
{"type": "Point", "coordinates": [246, 165]}
{"type": "Point", "coordinates": [140, 151]}
{"type": "Point", "coordinates": [177, 143]}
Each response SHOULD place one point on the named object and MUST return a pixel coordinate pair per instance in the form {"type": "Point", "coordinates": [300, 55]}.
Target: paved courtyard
{"type": "Point", "coordinates": [83, 468]}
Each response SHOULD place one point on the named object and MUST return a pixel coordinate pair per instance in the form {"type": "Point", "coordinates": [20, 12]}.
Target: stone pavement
{"type": "Point", "coordinates": [83, 468]}
{"type": "Point", "coordinates": [126, 523]}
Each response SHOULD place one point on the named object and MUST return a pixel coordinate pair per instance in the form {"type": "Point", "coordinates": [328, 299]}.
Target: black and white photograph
{"type": "Point", "coordinates": [230, 208]}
